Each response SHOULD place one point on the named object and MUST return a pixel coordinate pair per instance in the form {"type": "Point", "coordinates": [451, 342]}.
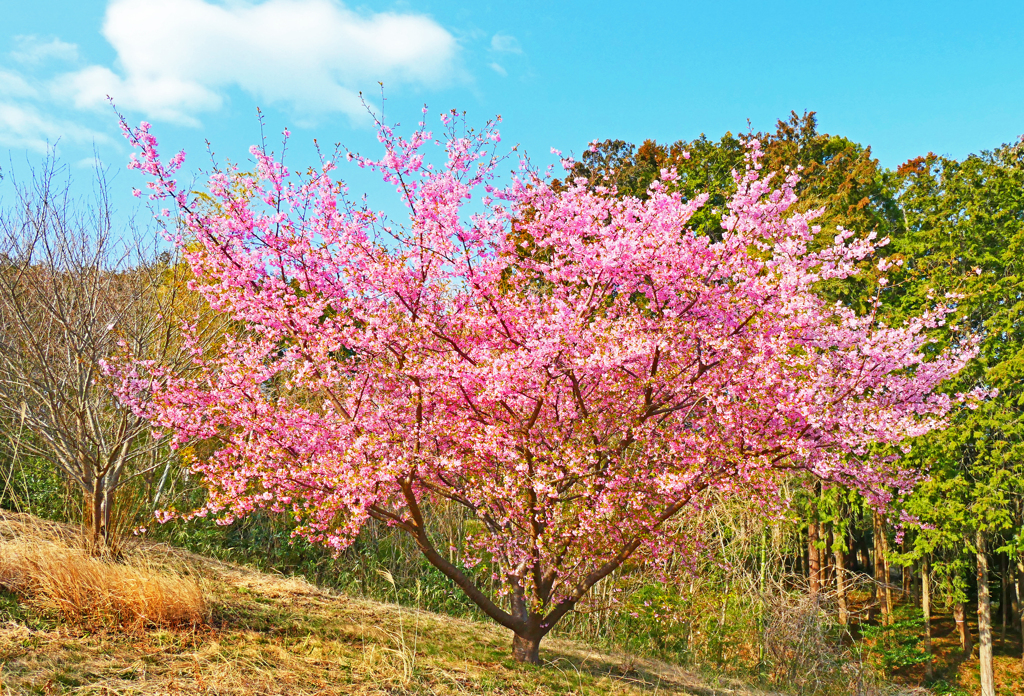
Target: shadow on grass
{"type": "Point", "coordinates": [641, 674]}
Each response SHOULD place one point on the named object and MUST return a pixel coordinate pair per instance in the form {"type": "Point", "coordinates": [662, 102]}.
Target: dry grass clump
{"type": "Point", "coordinates": [58, 579]}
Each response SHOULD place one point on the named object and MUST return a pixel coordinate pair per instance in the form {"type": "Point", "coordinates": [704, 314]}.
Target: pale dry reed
{"type": "Point", "coordinates": [57, 577]}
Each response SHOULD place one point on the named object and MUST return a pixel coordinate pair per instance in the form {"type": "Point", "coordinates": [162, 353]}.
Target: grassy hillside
{"type": "Point", "coordinates": [253, 633]}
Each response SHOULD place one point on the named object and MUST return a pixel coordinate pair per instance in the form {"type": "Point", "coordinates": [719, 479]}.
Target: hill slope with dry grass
{"type": "Point", "coordinates": [164, 621]}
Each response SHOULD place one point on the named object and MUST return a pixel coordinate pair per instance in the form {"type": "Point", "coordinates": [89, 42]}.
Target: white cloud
{"type": "Point", "coordinates": [93, 163]}
{"type": "Point", "coordinates": [26, 118]}
{"type": "Point", "coordinates": [23, 126]}
{"type": "Point", "coordinates": [176, 58]}
{"type": "Point", "coordinates": [31, 49]}
{"type": "Point", "coordinates": [504, 43]}
{"type": "Point", "coordinates": [498, 69]}
{"type": "Point", "coordinates": [13, 85]}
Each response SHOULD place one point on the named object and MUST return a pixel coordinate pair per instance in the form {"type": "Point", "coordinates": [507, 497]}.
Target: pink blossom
{"type": "Point", "coordinates": [573, 369]}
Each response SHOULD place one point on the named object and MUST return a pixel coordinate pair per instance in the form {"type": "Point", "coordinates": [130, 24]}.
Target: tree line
{"type": "Point", "coordinates": [956, 231]}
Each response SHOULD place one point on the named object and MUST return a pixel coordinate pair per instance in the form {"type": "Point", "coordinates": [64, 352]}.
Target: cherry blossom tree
{"type": "Point", "coordinates": [573, 368]}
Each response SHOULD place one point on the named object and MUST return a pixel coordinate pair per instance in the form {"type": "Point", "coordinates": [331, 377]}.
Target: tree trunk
{"type": "Point", "coordinates": [526, 649]}
{"type": "Point", "coordinates": [801, 555]}
{"type": "Point", "coordinates": [813, 555]}
{"type": "Point", "coordinates": [828, 570]}
{"type": "Point", "coordinates": [1020, 606]}
{"type": "Point", "coordinates": [926, 609]}
{"type": "Point", "coordinates": [527, 635]}
{"type": "Point", "coordinates": [915, 587]}
{"type": "Point", "coordinates": [988, 683]}
{"type": "Point", "coordinates": [865, 552]}
{"type": "Point", "coordinates": [888, 576]}
{"type": "Point", "coordinates": [881, 579]}
{"type": "Point", "coordinates": [107, 528]}
{"type": "Point", "coordinates": [906, 575]}
{"type": "Point", "coordinates": [962, 629]}
{"type": "Point", "coordinates": [888, 593]}
{"type": "Point", "coordinates": [93, 515]}
{"type": "Point", "coordinates": [1015, 605]}
{"type": "Point", "coordinates": [1004, 597]}
{"type": "Point", "coordinates": [844, 613]}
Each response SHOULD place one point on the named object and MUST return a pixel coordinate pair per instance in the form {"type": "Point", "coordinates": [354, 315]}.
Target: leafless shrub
{"type": "Point", "coordinates": [73, 291]}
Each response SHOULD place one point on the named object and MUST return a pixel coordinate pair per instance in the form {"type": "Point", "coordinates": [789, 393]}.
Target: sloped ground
{"type": "Point", "coordinates": [1007, 665]}
{"type": "Point", "coordinates": [273, 635]}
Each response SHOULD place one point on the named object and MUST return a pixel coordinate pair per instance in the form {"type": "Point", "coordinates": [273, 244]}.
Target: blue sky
{"type": "Point", "coordinates": [903, 77]}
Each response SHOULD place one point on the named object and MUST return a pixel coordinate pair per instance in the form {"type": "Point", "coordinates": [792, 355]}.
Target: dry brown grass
{"type": "Point", "coordinates": [271, 635]}
{"type": "Point", "coordinates": [55, 577]}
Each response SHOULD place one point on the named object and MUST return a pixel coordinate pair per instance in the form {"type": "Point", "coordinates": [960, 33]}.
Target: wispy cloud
{"type": "Point", "coordinates": [28, 117]}
{"type": "Point", "coordinates": [496, 67]}
{"type": "Point", "coordinates": [176, 59]}
{"type": "Point", "coordinates": [504, 43]}
{"type": "Point", "coordinates": [23, 126]}
{"type": "Point", "coordinates": [33, 50]}
{"type": "Point", "coordinates": [13, 85]}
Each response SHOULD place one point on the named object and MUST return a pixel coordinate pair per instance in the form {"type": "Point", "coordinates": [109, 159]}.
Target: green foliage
{"type": "Point", "coordinates": [838, 176]}
{"type": "Point", "coordinates": [963, 240]}
{"type": "Point", "coordinates": [658, 620]}
{"type": "Point", "coordinates": [265, 541]}
{"type": "Point", "coordinates": [33, 485]}
{"type": "Point", "coordinates": [944, 688]}
{"type": "Point", "coordinates": [897, 645]}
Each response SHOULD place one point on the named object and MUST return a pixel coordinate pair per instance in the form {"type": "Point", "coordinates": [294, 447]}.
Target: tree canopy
{"type": "Point", "coordinates": [573, 368]}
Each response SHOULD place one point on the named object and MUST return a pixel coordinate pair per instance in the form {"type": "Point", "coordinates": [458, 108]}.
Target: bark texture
{"type": "Point", "coordinates": [882, 597]}
{"type": "Point", "coordinates": [526, 649]}
{"type": "Point", "coordinates": [962, 629]}
{"type": "Point", "coordinates": [1020, 606]}
{"type": "Point", "coordinates": [988, 682]}
{"type": "Point", "coordinates": [844, 613]}
{"type": "Point", "coordinates": [813, 556]}
{"type": "Point", "coordinates": [926, 608]}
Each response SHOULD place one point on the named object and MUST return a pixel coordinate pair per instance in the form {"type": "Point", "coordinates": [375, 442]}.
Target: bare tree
{"type": "Point", "coordinates": [73, 292]}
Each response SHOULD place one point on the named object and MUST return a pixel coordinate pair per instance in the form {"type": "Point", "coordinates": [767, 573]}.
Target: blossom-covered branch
{"type": "Point", "coordinates": [572, 368]}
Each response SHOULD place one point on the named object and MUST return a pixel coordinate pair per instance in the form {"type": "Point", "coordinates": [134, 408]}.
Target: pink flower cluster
{"type": "Point", "coordinates": [572, 368]}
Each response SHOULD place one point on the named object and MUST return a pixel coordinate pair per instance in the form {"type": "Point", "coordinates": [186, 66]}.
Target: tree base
{"type": "Point", "coordinates": [526, 650]}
